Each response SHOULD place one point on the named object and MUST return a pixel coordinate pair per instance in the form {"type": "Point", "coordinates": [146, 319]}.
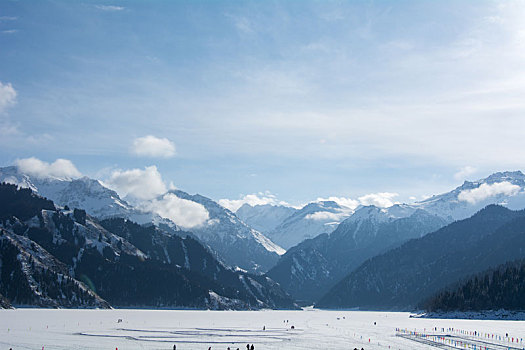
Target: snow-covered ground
{"type": "Point", "coordinates": [161, 329]}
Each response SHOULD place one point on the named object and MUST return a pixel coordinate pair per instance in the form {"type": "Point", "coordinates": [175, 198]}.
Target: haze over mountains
{"type": "Point", "coordinates": [323, 252]}
{"type": "Point", "coordinates": [300, 224]}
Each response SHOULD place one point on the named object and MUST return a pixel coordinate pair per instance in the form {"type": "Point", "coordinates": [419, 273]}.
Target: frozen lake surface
{"type": "Point", "coordinates": [161, 329]}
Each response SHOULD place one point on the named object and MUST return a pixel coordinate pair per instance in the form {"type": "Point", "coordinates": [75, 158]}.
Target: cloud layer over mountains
{"type": "Point", "coordinates": [60, 168]}
{"type": "Point", "coordinates": [147, 189]}
{"type": "Point", "coordinates": [184, 213]}
{"type": "Point", "coordinates": [485, 191]}
{"type": "Point", "coordinates": [143, 184]}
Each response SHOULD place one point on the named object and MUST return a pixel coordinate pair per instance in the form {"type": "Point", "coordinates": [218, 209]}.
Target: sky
{"type": "Point", "coordinates": [265, 101]}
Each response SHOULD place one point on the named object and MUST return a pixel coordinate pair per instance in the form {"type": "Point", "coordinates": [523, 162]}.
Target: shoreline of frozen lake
{"type": "Point", "coordinates": [496, 315]}
{"type": "Point", "coordinates": [193, 329]}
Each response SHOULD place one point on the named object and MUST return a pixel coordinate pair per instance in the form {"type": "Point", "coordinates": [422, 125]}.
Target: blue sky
{"type": "Point", "coordinates": [303, 99]}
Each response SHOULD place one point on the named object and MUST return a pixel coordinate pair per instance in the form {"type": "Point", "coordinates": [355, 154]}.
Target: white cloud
{"type": "Point", "coordinates": [147, 185]}
{"type": "Point", "coordinates": [185, 213]}
{"type": "Point", "coordinates": [465, 172]}
{"type": "Point", "coordinates": [151, 146]}
{"type": "Point", "coordinates": [60, 168]}
{"type": "Point", "coordinates": [7, 96]}
{"type": "Point", "coordinates": [261, 198]}
{"type": "Point", "coordinates": [342, 201]}
{"type": "Point", "coordinates": [110, 8]}
{"type": "Point", "coordinates": [325, 215]}
{"type": "Point", "coordinates": [142, 184]}
{"type": "Point", "coordinates": [381, 199]}
{"type": "Point", "coordinates": [488, 190]}
{"type": "Point", "coordinates": [10, 31]}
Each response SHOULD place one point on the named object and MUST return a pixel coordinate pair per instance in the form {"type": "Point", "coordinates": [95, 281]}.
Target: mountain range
{"type": "Point", "coordinates": [83, 193]}
{"type": "Point", "coordinates": [63, 257]}
{"type": "Point", "coordinates": [229, 238]}
{"type": "Point", "coordinates": [310, 269]}
{"type": "Point", "coordinates": [503, 188]}
{"type": "Point", "coordinates": [264, 217]}
{"type": "Point", "coordinates": [308, 222]}
{"type": "Point", "coordinates": [321, 253]}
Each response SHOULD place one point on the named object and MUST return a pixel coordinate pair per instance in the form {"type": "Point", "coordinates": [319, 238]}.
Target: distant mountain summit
{"type": "Point", "coordinates": [503, 188]}
{"type": "Point", "coordinates": [264, 218]}
{"type": "Point", "coordinates": [308, 222]}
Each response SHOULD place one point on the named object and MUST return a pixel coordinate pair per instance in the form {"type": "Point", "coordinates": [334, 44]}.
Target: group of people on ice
{"type": "Point", "coordinates": [248, 347]}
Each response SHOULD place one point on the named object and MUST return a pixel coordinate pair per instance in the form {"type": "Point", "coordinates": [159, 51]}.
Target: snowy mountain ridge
{"type": "Point", "coordinates": [308, 222]}
{"type": "Point", "coordinates": [504, 188]}
{"type": "Point", "coordinates": [264, 218]}
{"type": "Point", "coordinates": [42, 245]}
{"type": "Point", "coordinates": [85, 193]}
{"type": "Point", "coordinates": [313, 264]}
{"type": "Point", "coordinates": [281, 227]}
{"type": "Point", "coordinates": [236, 243]}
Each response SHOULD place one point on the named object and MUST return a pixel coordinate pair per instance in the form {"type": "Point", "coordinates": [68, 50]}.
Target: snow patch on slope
{"type": "Point", "coordinates": [266, 243]}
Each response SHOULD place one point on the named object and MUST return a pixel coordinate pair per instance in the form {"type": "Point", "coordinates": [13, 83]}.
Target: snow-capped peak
{"type": "Point", "coordinates": [264, 217]}
{"type": "Point", "coordinates": [376, 214]}
{"type": "Point", "coordinates": [510, 176]}
{"type": "Point", "coordinates": [83, 193]}
{"type": "Point", "coordinates": [506, 188]}
{"type": "Point", "coordinates": [308, 222]}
